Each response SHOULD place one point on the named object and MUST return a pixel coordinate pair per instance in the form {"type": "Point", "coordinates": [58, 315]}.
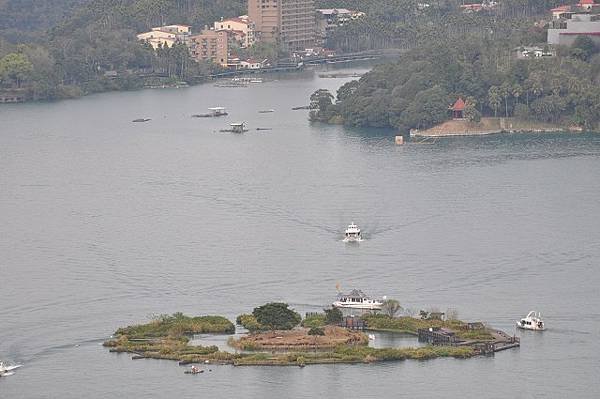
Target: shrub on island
{"type": "Point", "coordinates": [276, 316]}
{"type": "Point", "coordinates": [177, 325]}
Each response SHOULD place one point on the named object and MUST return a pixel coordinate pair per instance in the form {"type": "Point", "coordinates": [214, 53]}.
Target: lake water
{"type": "Point", "coordinates": [105, 222]}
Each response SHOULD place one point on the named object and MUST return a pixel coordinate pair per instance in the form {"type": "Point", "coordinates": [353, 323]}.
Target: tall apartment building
{"type": "Point", "coordinates": [289, 22]}
{"type": "Point", "coordinates": [210, 45]}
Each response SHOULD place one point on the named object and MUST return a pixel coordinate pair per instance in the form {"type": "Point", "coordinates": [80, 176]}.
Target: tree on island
{"type": "Point", "coordinates": [391, 307]}
{"type": "Point", "coordinates": [333, 315]}
{"type": "Point", "coordinates": [276, 316]}
{"type": "Point", "coordinates": [321, 106]}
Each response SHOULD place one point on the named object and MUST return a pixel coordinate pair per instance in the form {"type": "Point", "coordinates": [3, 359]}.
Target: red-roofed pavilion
{"type": "Point", "coordinates": [458, 109]}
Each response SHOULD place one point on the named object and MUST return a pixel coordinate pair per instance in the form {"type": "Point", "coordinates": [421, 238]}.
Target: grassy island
{"type": "Point", "coordinates": [276, 339]}
{"type": "Point", "coordinates": [167, 337]}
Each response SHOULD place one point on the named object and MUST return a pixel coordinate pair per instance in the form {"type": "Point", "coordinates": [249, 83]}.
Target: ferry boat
{"type": "Point", "coordinates": [352, 233]}
{"type": "Point", "coordinates": [357, 299]}
{"type": "Point", "coordinates": [533, 321]}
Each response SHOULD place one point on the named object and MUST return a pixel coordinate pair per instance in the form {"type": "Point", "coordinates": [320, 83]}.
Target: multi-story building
{"type": "Point", "coordinates": [166, 35]}
{"type": "Point", "coordinates": [291, 23]}
{"type": "Point", "coordinates": [241, 29]}
{"type": "Point", "coordinates": [565, 32]}
{"type": "Point", "coordinates": [210, 45]}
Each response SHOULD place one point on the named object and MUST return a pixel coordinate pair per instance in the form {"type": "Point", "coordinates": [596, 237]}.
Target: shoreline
{"type": "Point", "coordinates": [489, 126]}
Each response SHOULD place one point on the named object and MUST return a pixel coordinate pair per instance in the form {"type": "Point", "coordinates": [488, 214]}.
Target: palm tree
{"type": "Point", "coordinates": [494, 99]}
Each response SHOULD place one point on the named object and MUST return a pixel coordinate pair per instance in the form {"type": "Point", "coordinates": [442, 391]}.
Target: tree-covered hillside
{"type": "Point", "coordinates": [24, 20]}
{"type": "Point", "coordinates": [415, 91]}
{"type": "Point", "coordinates": [94, 46]}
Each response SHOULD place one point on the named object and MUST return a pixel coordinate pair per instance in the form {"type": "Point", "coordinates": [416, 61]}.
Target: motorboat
{"type": "Point", "coordinates": [357, 299]}
{"type": "Point", "coordinates": [533, 321]}
{"type": "Point", "coordinates": [8, 370]}
{"type": "Point", "coordinates": [214, 113]}
{"type": "Point", "coordinates": [352, 233]}
{"type": "Point", "coordinates": [194, 370]}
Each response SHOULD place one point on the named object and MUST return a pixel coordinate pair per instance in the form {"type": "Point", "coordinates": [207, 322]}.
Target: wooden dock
{"type": "Point", "coordinates": [444, 337]}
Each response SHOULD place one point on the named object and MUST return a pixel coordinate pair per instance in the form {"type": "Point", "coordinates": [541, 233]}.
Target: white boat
{"type": "Point", "coordinates": [7, 370]}
{"type": "Point", "coordinates": [533, 321]}
{"type": "Point", "coordinates": [357, 299]}
{"type": "Point", "coordinates": [352, 233]}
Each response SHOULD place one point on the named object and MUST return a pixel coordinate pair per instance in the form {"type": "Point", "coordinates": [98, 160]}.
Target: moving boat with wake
{"type": "Point", "coordinates": [352, 233]}
{"type": "Point", "coordinates": [8, 370]}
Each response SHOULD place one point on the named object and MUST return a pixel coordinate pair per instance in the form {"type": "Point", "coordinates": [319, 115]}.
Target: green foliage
{"type": "Point", "coordinates": [391, 307]}
{"type": "Point", "coordinates": [471, 112]}
{"type": "Point", "coordinates": [411, 325]}
{"type": "Point", "coordinates": [94, 48]}
{"type": "Point", "coordinates": [522, 111]}
{"type": "Point", "coordinates": [333, 315]}
{"type": "Point", "coordinates": [14, 68]}
{"type": "Point", "coordinates": [249, 322]}
{"type": "Point", "coordinates": [177, 325]}
{"type": "Point", "coordinates": [276, 316]}
{"type": "Point", "coordinates": [314, 321]}
{"type": "Point", "coordinates": [321, 106]}
{"type": "Point", "coordinates": [584, 48]}
{"type": "Point", "coordinates": [316, 331]}
{"type": "Point", "coordinates": [416, 90]}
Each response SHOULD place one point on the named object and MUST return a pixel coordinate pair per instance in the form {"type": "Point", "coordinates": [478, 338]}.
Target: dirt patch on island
{"type": "Point", "coordinates": [298, 339]}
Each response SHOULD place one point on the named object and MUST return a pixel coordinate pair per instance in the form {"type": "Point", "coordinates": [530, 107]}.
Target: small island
{"type": "Point", "coordinates": [278, 336]}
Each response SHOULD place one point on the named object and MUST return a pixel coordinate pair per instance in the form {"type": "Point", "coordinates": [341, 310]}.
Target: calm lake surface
{"type": "Point", "coordinates": [105, 222]}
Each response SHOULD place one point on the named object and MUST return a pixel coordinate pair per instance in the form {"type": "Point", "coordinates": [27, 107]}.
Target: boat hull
{"type": "Point", "coordinates": [361, 306]}
{"type": "Point", "coordinates": [530, 328]}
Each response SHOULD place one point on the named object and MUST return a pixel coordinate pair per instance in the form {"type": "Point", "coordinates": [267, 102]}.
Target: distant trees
{"type": "Point", "coordinates": [584, 48]}
{"type": "Point", "coordinates": [321, 106]}
{"type": "Point", "coordinates": [333, 315]}
{"type": "Point", "coordinates": [95, 48]}
{"type": "Point", "coordinates": [416, 90]}
{"type": "Point", "coordinates": [14, 69]}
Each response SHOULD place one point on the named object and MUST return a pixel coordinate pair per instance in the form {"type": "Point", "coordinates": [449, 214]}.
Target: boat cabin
{"type": "Point", "coordinates": [217, 111]}
{"type": "Point", "coordinates": [355, 296]}
{"type": "Point", "coordinates": [238, 127]}
{"type": "Point", "coordinates": [352, 232]}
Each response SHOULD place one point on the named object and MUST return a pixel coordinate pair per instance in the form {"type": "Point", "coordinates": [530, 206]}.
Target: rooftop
{"type": "Point", "coordinates": [459, 105]}
{"type": "Point", "coordinates": [331, 11]}
{"type": "Point", "coordinates": [355, 294]}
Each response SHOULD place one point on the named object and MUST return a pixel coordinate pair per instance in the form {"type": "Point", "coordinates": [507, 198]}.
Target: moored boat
{"type": "Point", "coordinates": [533, 321]}
{"type": "Point", "coordinates": [357, 299]}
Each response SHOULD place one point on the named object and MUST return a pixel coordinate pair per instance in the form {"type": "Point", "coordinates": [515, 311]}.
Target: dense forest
{"type": "Point", "coordinates": [403, 23]}
{"type": "Point", "coordinates": [479, 65]}
{"type": "Point", "coordinates": [25, 20]}
{"type": "Point", "coordinates": [90, 46]}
